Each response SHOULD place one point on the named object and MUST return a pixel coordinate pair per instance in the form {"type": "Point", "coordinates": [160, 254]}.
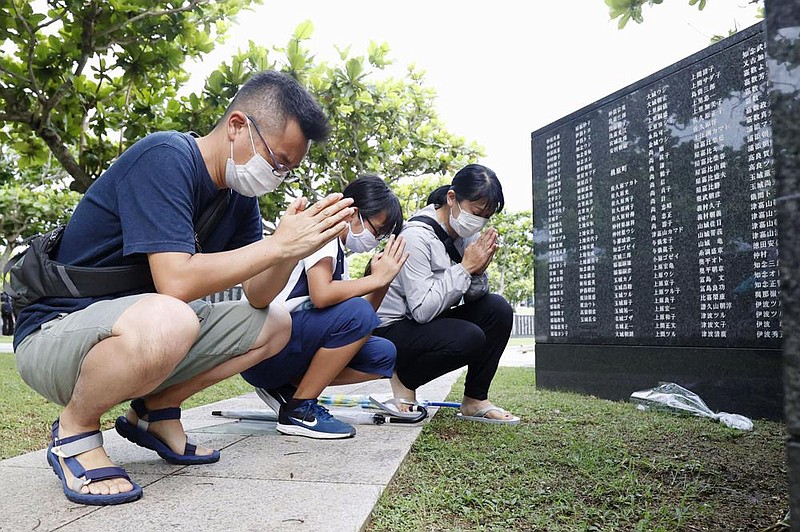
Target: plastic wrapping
{"type": "Point", "coordinates": [671, 397]}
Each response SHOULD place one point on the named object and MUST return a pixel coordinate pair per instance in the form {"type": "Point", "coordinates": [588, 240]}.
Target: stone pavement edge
{"type": "Point", "coordinates": [264, 480]}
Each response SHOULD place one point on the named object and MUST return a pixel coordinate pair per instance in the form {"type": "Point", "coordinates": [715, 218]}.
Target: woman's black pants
{"type": "Point", "coordinates": [473, 334]}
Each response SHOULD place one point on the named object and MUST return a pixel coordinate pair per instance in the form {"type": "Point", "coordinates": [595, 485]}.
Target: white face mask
{"type": "Point", "coordinates": [254, 178]}
{"type": "Point", "coordinates": [467, 224]}
{"type": "Point", "coordinates": [360, 242]}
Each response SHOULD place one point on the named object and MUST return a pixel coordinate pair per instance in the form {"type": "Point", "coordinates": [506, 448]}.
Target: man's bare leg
{"type": "Point", "coordinates": [127, 364]}
{"type": "Point", "coordinates": [273, 337]}
{"type": "Point", "coordinates": [145, 363]}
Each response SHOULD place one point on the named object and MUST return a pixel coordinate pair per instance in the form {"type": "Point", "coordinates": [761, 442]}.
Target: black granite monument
{"type": "Point", "coordinates": [655, 237]}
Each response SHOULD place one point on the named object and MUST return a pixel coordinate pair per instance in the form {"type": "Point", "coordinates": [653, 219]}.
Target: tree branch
{"type": "Point", "coordinates": [87, 38]}
{"type": "Point", "coordinates": [22, 79]}
{"type": "Point", "coordinates": [31, 46]}
{"type": "Point", "coordinates": [24, 118]}
{"type": "Point", "coordinates": [52, 20]}
{"type": "Point", "coordinates": [53, 140]}
{"type": "Point", "coordinates": [87, 50]}
{"type": "Point", "coordinates": [122, 129]}
{"type": "Point", "coordinates": [140, 16]}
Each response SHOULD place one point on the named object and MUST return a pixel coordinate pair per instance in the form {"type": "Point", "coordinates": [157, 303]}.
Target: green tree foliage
{"type": "Point", "coordinates": [380, 125]}
{"type": "Point", "coordinates": [413, 192]}
{"type": "Point", "coordinates": [30, 203]}
{"type": "Point", "coordinates": [626, 10]}
{"type": "Point", "coordinates": [511, 271]}
{"type": "Point", "coordinates": [357, 264]}
{"type": "Point", "coordinates": [82, 79]}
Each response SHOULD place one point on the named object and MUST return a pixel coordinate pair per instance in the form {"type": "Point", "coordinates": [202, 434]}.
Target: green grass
{"type": "Point", "coordinates": [25, 416]}
{"type": "Point", "coordinates": [581, 463]}
{"type": "Point", "coordinates": [574, 463]}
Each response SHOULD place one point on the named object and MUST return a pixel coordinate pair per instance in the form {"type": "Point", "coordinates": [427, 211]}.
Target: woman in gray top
{"type": "Point", "coordinates": [438, 311]}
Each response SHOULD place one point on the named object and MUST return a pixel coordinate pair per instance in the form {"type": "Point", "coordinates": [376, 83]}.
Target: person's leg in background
{"type": "Point", "coordinates": [426, 351]}
{"type": "Point", "coordinates": [8, 327]}
{"type": "Point", "coordinates": [375, 360]}
{"type": "Point", "coordinates": [495, 317]}
{"type": "Point", "coordinates": [324, 343]}
{"type": "Point", "coordinates": [474, 335]}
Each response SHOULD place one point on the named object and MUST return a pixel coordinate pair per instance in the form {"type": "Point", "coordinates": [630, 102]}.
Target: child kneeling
{"type": "Point", "coordinates": [332, 342]}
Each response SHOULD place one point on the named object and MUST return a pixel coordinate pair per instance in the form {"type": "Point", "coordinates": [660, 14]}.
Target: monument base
{"type": "Point", "coordinates": [739, 381]}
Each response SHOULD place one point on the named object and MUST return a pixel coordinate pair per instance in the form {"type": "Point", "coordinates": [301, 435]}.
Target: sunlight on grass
{"type": "Point", "coordinates": [581, 463]}
{"type": "Point", "coordinates": [574, 463]}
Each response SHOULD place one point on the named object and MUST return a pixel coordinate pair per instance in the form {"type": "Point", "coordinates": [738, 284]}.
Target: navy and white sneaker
{"type": "Point", "coordinates": [306, 417]}
{"type": "Point", "coordinates": [276, 398]}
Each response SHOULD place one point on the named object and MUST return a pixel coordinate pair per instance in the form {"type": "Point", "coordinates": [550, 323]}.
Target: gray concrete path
{"type": "Point", "coordinates": [264, 480]}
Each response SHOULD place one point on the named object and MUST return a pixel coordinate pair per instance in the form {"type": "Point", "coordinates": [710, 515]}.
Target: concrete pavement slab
{"type": "Point", "coordinates": [519, 356]}
{"type": "Point", "coordinates": [378, 451]}
{"type": "Point", "coordinates": [135, 459]}
{"type": "Point", "coordinates": [224, 504]}
{"type": "Point", "coordinates": [264, 481]}
{"type": "Point", "coordinates": [31, 499]}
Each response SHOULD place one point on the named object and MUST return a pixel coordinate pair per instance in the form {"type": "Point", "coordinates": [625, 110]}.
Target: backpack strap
{"type": "Point", "coordinates": [210, 218]}
{"type": "Point", "coordinates": [449, 246]}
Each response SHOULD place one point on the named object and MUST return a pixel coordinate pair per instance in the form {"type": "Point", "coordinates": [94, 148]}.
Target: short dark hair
{"type": "Point", "coordinates": [474, 182]}
{"type": "Point", "coordinates": [274, 98]}
{"type": "Point", "coordinates": [372, 196]}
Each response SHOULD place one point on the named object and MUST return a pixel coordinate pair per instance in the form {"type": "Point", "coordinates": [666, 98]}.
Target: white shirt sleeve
{"type": "Point", "coordinates": [329, 250]}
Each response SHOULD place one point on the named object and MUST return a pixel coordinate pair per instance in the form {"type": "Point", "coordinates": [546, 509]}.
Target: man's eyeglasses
{"type": "Point", "coordinates": [278, 169]}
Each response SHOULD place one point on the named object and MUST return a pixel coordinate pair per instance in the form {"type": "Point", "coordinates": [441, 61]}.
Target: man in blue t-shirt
{"type": "Point", "coordinates": [159, 346]}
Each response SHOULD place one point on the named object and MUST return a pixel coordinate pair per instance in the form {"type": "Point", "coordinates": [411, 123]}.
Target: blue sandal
{"type": "Point", "coordinates": [139, 435]}
{"type": "Point", "coordinates": [71, 446]}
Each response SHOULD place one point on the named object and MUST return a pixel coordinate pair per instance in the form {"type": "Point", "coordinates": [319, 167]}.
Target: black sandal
{"type": "Point", "coordinates": [139, 435]}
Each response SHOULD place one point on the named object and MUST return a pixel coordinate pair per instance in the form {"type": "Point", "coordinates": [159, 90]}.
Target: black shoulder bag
{"type": "Point", "coordinates": [32, 274]}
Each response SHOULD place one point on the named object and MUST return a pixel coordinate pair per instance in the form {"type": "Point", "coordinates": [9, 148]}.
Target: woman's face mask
{"type": "Point", "coordinates": [254, 178]}
{"type": "Point", "coordinates": [466, 224]}
{"type": "Point", "coordinates": [360, 242]}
